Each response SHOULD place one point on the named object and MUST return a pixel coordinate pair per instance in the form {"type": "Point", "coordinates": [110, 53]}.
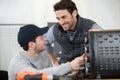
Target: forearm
{"type": "Point", "coordinates": [53, 59]}
{"type": "Point", "coordinates": [60, 70]}
{"type": "Point", "coordinates": [51, 54]}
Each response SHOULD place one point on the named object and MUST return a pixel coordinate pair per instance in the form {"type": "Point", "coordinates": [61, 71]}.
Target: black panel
{"type": "Point", "coordinates": [104, 47]}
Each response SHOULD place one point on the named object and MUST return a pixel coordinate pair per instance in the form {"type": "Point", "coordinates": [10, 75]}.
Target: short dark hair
{"type": "Point", "coordinates": [65, 4]}
{"type": "Point", "coordinates": [25, 47]}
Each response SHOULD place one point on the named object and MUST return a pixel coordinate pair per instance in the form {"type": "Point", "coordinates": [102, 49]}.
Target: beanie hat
{"type": "Point", "coordinates": [28, 32]}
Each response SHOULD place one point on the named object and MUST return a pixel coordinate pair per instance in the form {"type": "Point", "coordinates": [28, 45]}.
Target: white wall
{"type": "Point", "coordinates": [8, 44]}
{"type": "Point", "coordinates": [16, 11]}
{"type": "Point", "coordinates": [12, 12]}
{"type": "Point", "coordinates": [105, 12]}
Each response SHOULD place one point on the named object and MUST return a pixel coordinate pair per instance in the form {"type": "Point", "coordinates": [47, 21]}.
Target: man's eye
{"type": "Point", "coordinates": [57, 18]}
{"type": "Point", "coordinates": [63, 17]}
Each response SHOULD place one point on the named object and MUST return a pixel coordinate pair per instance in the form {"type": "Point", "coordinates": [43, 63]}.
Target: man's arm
{"type": "Point", "coordinates": [49, 48]}
{"type": "Point", "coordinates": [60, 70]}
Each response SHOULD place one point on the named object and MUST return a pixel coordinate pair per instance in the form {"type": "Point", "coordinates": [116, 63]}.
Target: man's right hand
{"type": "Point", "coordinates": [78, 62]}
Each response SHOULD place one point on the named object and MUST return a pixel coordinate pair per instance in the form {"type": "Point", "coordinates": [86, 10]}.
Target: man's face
{"type": "Point", "coordinates": [40, 44]}
{"type": "Point", "coordinates": [65, 19]}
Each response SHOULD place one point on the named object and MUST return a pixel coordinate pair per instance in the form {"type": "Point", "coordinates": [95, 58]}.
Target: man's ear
{"type": "Point", "coordinates": [75, 13]}
{"type": "Point", "coordinates": [31, 44]}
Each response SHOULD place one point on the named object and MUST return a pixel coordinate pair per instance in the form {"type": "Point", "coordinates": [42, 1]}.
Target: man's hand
{"type": "Point", "coordinates": [78, 62]}
{"type": "Point", "coordinates": [49, 47]}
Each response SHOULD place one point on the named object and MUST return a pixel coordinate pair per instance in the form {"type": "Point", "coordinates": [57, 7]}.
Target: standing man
{"type": "Point", "coordinates": [34, 59]}
{"type": "Point", "coordinates": [69, 32]}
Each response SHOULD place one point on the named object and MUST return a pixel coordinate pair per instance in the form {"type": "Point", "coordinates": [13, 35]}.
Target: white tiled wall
{"type": "Point", "coordinates": [8, 44]}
